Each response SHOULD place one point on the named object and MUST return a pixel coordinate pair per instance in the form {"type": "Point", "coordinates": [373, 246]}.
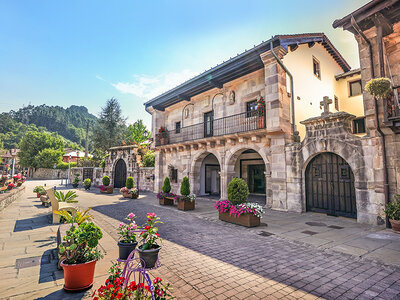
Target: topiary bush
{"type": "Point", "coordinates": [166, 188]}
{"type": "Point", "coordinates": [185, 186]}
{"type": "Point", "coordinates": [130, 182]}
{"type": "Point", "coordinates": [379, 87]}
{"type": "Point", "coordinates": [106, 180]}
{"type": "Point", "coordinates": [238, 191]}
{"type": "Point", "coordinates": [87, 182]}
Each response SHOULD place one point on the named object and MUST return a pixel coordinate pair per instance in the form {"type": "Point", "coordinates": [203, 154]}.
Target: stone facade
{"type": "Point", "coordinates": [43, 173]}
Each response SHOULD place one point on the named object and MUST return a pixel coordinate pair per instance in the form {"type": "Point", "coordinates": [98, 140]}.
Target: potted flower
{"type": "Point", "coordinates": [39, 190]}
{"type": "Point", "coordinates": [379, 87]}
{"type": "Point", "coordinates": [127, 237]}
{"type": "Point", "coordinates": [87, 183]}
{"type": "Point", "coordinates": [81, 254]}
{"type": "Point", "coordinates": [260, 113]}
{"type": "Point", "coordinates": [11, 185]}
{"type": "Point", "coordinates": [106, 188]}
{"type": "Point", "coordinates": [163, 134]}
{"type": "Point", "coordinates": [128, 191]}
{"type": "Point", "coordinates": [148, 251]}
{"type": "Point", "coordinates": [186, 201]}
{"type": "Point", "coordinates": [75, 183]}
{"type": "Point", "coordinates": [165, 197]}
{"type": "Point", "coordinates": [393, 213]}
{"type": "Point", "coordinates": [237, 209]}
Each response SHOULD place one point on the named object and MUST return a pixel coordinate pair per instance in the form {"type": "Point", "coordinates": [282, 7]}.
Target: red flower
{"type": "Point", "coordinates": [119, 296]}
{"type": "Point", "coordinates": [157, 234]}
{"type": "Point", "coordinates": [147, 227]}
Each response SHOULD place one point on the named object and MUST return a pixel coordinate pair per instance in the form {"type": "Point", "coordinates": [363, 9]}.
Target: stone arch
{"type": "Point", "coordinates": [195, 168]}
{"type": "Point", "coordinates": [114, 164]}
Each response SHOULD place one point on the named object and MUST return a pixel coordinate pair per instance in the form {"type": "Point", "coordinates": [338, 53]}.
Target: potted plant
{"type": "Point", "coordinates": [148, 251]}
{"type": "Point", "coordinates": [165, 197]}
{"type": "Point", "coordinates": [379, 87]}
{"type": "Point", "coordinates": [186, 201]}
{"type": "Point", "coordinates": [39, 190]}
{"type": "Point", "coordinates": [106, 188]}
{"type": "Point", "coordinates": [75, 183]}
{"type": "Point", "coordinates": [81, 254]}
{"type": "Point", "coordinates": [393, 213]}
{"type": "Point", "coordinates": [11, 185]}
{"type": "Point", "coordinates": [237, 209]}
{"type": "Point", "coordinates": [128, 191]}
{"type": "Point", "coordinates": [260, 113]}
{"type": "Point", "coordinates": [68, 197]}
{"type": "Point", "coordinates": [127, 237]}
{"type": "Point", "coordinates": [87, 183]}
{"type": "Point", "coordinates": [163, 134]}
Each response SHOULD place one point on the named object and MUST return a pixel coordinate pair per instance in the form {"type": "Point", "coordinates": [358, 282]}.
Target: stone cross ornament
{"type": "Point", "coordinates": [325, 103]}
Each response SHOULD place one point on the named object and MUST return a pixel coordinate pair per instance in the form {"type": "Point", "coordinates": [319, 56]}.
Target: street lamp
{"type": "Point", "coordinates": [69, 168]}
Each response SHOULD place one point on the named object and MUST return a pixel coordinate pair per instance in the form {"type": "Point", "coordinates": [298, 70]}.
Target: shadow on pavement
{"type": "Point", "coordinates": [32, 223]}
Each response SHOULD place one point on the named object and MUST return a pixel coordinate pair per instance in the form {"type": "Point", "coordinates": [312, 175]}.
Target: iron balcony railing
{"type": "Point", "coordinates": [392, 106]}
{"type": "Point", "coordinates": [241, 122]}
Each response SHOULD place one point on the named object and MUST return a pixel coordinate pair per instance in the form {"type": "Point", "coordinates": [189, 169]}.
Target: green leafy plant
{"type": "Point", "coordinates": [77, 217]}
{"type": "Point", "coordinates": [149, 159]}
{"type": "Point", "coordinates": [130, 182]}
{"type": "Point", "coordinates": [40, 190]}
{"type": "Point", "coordinates": [126, 231]}
{"type": "Point", "coordinates": [77, 178]}
{"type": "Point", "coordinates": [150, 234]}
{"type": "Point", "coordinates": [185, 186]}
{"type": "Point", "coordinates": [393, 208]}
{"type": "Point", "coordinates": [87, 182]}
{"type": "Point", "coordinates": [80, 244]}
{"type": "Point", "coordinates": [238, 191]}
{"type": "Point", "coordinates": [379, 87]}
{"type": "Point", "coordinates": [106, 180]}
{"type": "Point", "coordinates": [166, 188]}
{"type": "Point", "coordinates": [69, 197]}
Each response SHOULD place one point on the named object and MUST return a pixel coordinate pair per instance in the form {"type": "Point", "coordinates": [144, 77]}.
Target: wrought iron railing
{"type": "Point", "coordinates": [241, 122]}
{"type": "Point", "coordinates": [392, 106]}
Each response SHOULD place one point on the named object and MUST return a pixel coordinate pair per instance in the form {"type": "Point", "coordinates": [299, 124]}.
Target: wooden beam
{"type": "Point", "coordinates": [293, 47]}
{"type": "Point", "coordinates": [184, 97]}
{"type": "Point", "coordinates": [380, 20]}
{"type": "Point", "coordinates": [311, 44]}
{"type": "Point", "coordinates": [215, 83]}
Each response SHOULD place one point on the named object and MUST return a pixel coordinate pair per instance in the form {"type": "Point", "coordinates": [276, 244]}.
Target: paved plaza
{"type": "Point", "coordinates": [290, 256]}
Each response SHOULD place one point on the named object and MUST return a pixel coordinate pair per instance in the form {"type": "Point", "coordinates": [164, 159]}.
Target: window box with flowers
{"type": "Point", "coordinates": [186, 201]}
{"type": "Point", "coordinates": [237, 210]}
{"type": "Point", "coordinates": [148, 251]}
{"type": "Point", "coordinates": [163, 134]}
{"type": "Point", "coordinates": [127, 237]}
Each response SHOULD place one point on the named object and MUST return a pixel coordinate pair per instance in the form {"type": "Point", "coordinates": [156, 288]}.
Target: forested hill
{"type": "Point", "coordinates": [69, 122]}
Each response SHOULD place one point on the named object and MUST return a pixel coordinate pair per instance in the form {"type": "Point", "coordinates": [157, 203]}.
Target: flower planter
{"type": "Point", "coordinates": [108, 190]}
{"type": "Point", "coordinates": [37, 195]}
{"type": "Point", "coordinates": [248, 220]}
{"type": "Point", "coordinates": [75, 185]}
{"type": "Point", "coordinates": [260, 122]}
{"type": "Point", "coordinates": [186, 205]}
{"type": "Point", "coordinates": [87, 187]}
{"type": "Point", "coordinates": [148, 258]}
{"type": "Point", "coordinates": [125, 249]}
{"type": "Point", "coordinates": [395, 225]}
{"type": "Point", "coordinates": [78, 277]}
{"type": "Point", "coordinates": [127, 195]}
{"type": "Point", "coordinates": [166, 201]}
{"type": "Point", "coordinates": [164, 141]}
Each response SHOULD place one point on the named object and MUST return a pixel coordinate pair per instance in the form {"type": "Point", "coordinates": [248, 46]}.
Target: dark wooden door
{"type": "Point", "coordinates": [208, 124]}
{"type": "Point", "coordinates": [330, 186]}
{"type": "Point", "coordinates": [120, 174]}
{"type": "Point", "coordinates": [256, 179]}
{"type": "Point", "coordinates": [88, 173]}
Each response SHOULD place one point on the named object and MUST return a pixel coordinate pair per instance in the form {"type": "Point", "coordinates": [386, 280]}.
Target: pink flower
{"type": "Point", "coordinates": [151, 215]}
{"type": "Point", "coordinates": [131, 215]}
{"type": "Point", "coordinates": [122, 224]}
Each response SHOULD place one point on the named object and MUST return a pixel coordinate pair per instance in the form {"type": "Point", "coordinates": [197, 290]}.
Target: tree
{"type": "Point", "coordinates": [110, 127]}
{"type": "Point", "coordinates": [137, 133]}
{"type": "Point", "coordinates": [33, 143]}
{"type": "Point", "coordinates": [149, 159]}
{"type": "Point", "coordinates": [48, 157]}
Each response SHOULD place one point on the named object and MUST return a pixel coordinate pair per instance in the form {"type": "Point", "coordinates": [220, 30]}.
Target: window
{"type": "Point", "coordinates": [336, 103]}
{"type": "Point", "coordinates": [178, 127]}
{"type": "Point", "coordinates": [359, 125]}
{"type": "Point", "coordinates": [251, 108]}
{"type": "Point", "coordinates": [355, 88]}
{"type": "Point", "coordinates": [316, 68]}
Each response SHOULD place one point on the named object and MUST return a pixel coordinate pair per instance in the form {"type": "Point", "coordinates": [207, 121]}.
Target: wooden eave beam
{"type": "Point", "coordinates": [311, 44]}
{"type": "Point", "coordinates": [293, 47]}
{"type": "Point", "coordinates": [215, 83]}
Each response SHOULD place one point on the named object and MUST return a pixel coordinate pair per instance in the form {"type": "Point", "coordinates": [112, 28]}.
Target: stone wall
{"type": "Point", "coordinates": [9, 197]}
{"type": "Point", "coordinates": [43, 173]}
{"type": "Point", "coordinates": [144, 179]}
{"type": "Point", "coordinates": [97, 175]}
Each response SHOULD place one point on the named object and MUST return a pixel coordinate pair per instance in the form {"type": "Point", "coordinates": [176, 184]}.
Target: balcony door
{"type": "Point", "coordinates": [208, 123]}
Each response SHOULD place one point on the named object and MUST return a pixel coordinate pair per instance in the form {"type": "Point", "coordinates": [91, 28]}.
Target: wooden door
{"type": "Point", "coordinates": [120, 174]}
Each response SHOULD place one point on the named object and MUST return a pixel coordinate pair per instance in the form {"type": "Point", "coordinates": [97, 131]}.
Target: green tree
{"type": "Point", "coordinates": [110, 127]}
{"type": "Point", "coordinates": [149, 159]}
{"type": "Point", "coordinates": [33, 143]}
{"type": "Point", "coordinates": [238, 191]}
{"type": "Point", "coordinates": [166, 188]}
{"type": "Point", "coordinates": [185, 186]}
{"type": "Point", "coordinates": [48, 157]}
{"type": "Point", "coordinates": [137, 133]}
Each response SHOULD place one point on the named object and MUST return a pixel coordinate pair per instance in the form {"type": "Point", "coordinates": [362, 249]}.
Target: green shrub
{"type": "Point", "coordinates": [166, 188]}
{"type": "Point", "coordinates": [77, 178]}
{"type": "Point", "coordinates": [130, 183]}
{"type": "Point", "coordinates": [106, 180]}
{"type": "Point", "coordinates": [87, 182]}
{"type": "Point", "coordinates": [393, 208]}
{"type": "Point", "coordinates": [185, 186]}
{"type": "Point", "coordinates": [379, 87]}
{"type": "Point", "coordinates": [64, 165]}
{"type": "Point", "coordinates": [238, 191]}
{"type": "Point", "coordinates": [149, 159]}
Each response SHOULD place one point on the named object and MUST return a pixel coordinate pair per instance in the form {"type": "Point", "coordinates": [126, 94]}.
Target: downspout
{"type": "Point", "coordinates": [291, 87]}
{"type": "Point", "coordinates": [378, 128]}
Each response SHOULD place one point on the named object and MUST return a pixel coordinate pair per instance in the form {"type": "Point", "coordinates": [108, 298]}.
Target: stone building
{"type": "Point", "coordinates": [265, 116]}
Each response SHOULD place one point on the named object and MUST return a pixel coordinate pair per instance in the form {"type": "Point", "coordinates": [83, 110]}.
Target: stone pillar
{"type": "Point", "coordinates": [158, 170]}
{"type": "Point", "coordinates": [268, 190]}
{"type": "Point", "coordinates": [225, 178]}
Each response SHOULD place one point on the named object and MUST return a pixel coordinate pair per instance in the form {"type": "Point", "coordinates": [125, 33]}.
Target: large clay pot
{"type": "Point", "coordinates": [125, 249]}
{"type": "Point", "coordinates": [395, 225]}
{"type": "Point", "coordinates": [78, 277]}
{"type": "Point", "coordinates": [148, 258]}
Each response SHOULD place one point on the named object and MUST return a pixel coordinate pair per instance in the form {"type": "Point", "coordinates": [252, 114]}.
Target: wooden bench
{"type": "Point", "coordinates": [55, 205]}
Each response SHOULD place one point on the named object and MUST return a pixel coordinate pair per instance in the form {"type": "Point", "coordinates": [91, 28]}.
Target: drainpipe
{"type": "Point", "coordinates": [291, 86]}
{"type": "Point", "coordinates": [378, 128]}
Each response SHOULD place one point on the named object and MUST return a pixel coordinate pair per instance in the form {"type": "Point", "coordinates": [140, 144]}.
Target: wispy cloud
{"type": "Point", "coordinates": [100, 78]}
{"type": "Point", "coordinates": [148, 87]}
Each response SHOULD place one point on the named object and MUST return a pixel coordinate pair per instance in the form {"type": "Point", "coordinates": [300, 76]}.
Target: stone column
{"type": "Point", "coordinates": [268, 190]}
{"type": "Point", "coordinates": [158, 171]}
{"type": "Point", "coordinates": [225, 178]}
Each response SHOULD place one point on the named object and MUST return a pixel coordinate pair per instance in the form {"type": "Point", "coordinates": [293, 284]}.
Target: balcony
{"type": "Point", "coordinates": [243, 122]}
{"type": "Point", "coordinates": [392, 113]}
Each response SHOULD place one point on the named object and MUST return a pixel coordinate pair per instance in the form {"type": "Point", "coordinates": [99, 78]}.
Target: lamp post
{"type": "Point", "coordinates": [69, 168]}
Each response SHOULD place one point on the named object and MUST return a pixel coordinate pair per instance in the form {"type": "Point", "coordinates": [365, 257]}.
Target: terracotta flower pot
{"type": "Point", "coordinates": [395, 225]}
{"type": "Point", "coordinates": [78, 277]}
{"type": "Point", "coordinates": [148, 258]}
{"type": "Point", "coordinates": [127, 195]}
{"type": "Point", "coordinates": [37, 195]}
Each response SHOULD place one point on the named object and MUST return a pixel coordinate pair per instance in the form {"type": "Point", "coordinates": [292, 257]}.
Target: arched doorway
{"type": "Point", "coordinates": [206, 179]}
{"type": "Point", "coordinates": [330, 186]}
{"type": "Point", "coordinates": [120, 174]}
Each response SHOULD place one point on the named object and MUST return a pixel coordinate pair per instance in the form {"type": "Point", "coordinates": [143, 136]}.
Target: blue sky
{"type": "Point", "coordinates": [83, 52]}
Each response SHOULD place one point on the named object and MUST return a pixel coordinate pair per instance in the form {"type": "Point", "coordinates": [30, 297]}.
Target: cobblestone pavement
{"type": "Point", "coordinates": [272, 267]}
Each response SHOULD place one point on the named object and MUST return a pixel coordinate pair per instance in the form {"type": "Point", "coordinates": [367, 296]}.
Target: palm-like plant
{"type": "Point", "coordinates": [77, 217]}
{"type": "Point", "coordinates": [69, 197]}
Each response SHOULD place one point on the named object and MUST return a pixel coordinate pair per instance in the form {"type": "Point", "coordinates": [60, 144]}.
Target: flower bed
{"type": "Point", "coordinates": [246, 214]}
